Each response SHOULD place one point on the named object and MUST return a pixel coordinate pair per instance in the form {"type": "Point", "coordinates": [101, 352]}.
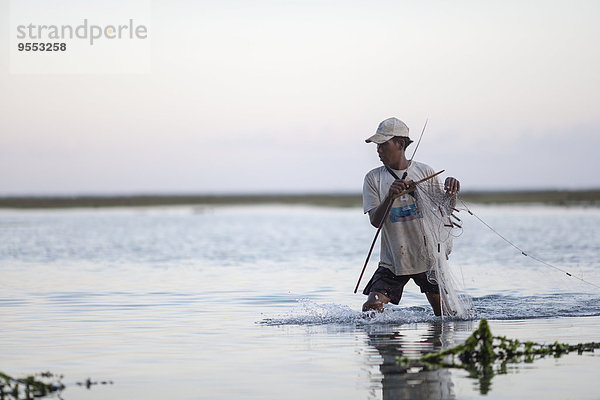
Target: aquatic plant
{"type": "Point", "coordinates": [36, 386]}
{"type": "Point", "coordinates": [483, 355]}
{"type": "Point", "coordinates": [30, 387]}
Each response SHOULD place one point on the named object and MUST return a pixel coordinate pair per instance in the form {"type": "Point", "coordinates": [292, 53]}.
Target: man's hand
{"type": "Point", "coordinates": [377, 215]}
{"type": "Point", "coordinates": [399, 186]}
{"type": "Point", "coordinates": [452, 186]}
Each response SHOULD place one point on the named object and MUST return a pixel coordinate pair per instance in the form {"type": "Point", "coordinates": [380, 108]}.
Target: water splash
{"type": "Point", "coordinates": [493, 307]}
{"type": "Point", "coordinates": [307, 312]}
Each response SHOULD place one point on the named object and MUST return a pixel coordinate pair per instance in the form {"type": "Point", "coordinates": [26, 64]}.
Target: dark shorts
{"type": "Point", "coordinates": [387, 283]}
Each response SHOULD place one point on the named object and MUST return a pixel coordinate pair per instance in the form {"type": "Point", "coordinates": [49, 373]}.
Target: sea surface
{"type": "Point", "coordinates": [256, 302]}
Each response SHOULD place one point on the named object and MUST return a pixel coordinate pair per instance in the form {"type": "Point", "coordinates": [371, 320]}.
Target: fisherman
{"type": "Point", "coordinates": [403, 241]}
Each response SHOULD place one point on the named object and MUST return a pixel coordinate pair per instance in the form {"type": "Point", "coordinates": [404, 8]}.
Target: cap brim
{"type": "Point", "coordinates": [378, 138]}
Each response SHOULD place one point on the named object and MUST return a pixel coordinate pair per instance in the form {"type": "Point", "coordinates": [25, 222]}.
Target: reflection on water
{"type": "Point", "coordinates": [396, 380]}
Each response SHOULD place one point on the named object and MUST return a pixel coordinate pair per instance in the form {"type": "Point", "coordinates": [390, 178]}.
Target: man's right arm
{"type": "Point", "coordinates": [378, 214]}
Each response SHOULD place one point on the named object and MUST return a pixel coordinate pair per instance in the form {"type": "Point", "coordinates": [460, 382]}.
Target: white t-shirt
{"type": "Point", "coordinates": [403, 238]}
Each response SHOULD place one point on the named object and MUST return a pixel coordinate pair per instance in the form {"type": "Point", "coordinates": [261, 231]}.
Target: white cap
{"type": "Point", "coordinates": [388, 129]}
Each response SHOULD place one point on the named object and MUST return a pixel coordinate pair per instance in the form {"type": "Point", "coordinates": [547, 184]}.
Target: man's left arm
{"type": "Point", "coordinates": [452, 188]}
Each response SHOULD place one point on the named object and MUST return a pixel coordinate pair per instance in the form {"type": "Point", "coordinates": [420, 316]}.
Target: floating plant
{"type": "Point", "coordinates": [36, 386]}
{"type": "Point", "coordinates": [484, 355]}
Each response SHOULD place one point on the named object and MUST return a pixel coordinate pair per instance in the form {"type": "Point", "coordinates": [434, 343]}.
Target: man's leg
{"type": "Point", "coordinates": [434, 300]}
{"type": "Point", "coordinates": [431, 290]}
{"type": "Point", "coordinates": [375, 301]}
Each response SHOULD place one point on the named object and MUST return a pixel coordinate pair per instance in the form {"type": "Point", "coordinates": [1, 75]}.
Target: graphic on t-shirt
{"type": "Point", "coordinates": [404, 213]}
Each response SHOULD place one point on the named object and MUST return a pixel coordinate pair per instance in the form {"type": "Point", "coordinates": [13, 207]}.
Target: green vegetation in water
{"type": "Point", "coordinates": [484, 355]}
{"type": "Point", "coordinates": [30, 387]}
{"type": "Point", "coordinates": [37, 386]}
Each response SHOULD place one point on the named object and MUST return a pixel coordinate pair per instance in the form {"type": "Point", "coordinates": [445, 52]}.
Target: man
{"type": "Point", "coordinates": [403, 242]}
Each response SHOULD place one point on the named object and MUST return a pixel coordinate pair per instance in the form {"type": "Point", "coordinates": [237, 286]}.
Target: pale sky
{"type": "Point", "coordinates": [277, 96]}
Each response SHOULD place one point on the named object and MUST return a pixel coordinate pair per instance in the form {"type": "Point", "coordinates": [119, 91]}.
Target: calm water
{"type": "Point", "coordinates": [256, 302]}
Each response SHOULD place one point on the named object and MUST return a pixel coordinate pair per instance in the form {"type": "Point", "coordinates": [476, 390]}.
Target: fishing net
{"type": "Point", "coordinates": [439, 226]}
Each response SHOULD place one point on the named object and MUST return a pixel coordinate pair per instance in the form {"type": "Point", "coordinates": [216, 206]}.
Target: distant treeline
{"type": "Point", "coordinates": [554, 197]}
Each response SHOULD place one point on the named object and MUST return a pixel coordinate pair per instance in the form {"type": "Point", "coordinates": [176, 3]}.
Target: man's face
{"type": "Point", "coordinates": [390, 152]}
